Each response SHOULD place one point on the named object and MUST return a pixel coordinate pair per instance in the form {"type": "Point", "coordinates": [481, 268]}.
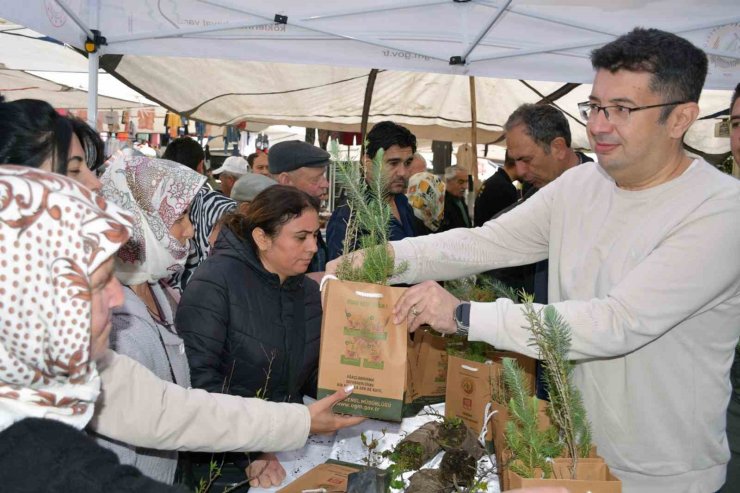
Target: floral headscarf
{"type": "Point", "coordinates": [426, 194]}
{"type": "Point", "coordinates": [156, 192]}
{"type": "Point", "coordinates": [54, 234]}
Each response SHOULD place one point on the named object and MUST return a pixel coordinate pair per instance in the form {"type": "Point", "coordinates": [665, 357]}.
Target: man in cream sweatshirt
{"type": "Point", "coordinates": [644, 250]}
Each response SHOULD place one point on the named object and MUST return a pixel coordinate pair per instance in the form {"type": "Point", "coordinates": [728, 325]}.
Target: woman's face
{"type": "Point", "coordinates": [290, 251]}
{"type": "Point", "coordinates": [107, 294]}
{"type": "Point", "coordinates": [77, 166]}
{"type": "Point", "coordinates": [182, 230]}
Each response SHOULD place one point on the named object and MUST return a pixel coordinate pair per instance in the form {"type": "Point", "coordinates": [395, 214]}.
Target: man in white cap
{"type": "Point", "coordinates": [234, 167]}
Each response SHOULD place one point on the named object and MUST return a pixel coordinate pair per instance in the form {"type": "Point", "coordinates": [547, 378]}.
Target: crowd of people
{"type": "Point", "coordinates": [171, 321]}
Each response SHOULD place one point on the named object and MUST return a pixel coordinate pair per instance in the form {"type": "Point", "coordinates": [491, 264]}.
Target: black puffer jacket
{"type": "Point", "coordinates": [235, 317]}
{"type": "Point", "coordinates": [49, 456]}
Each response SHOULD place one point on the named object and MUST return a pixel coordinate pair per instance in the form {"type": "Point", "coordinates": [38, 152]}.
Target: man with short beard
{"type": "Point", "coordinates": [399, 146]}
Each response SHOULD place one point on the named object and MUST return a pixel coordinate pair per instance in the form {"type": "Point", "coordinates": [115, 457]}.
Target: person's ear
{"type": "Point", "coordinates": [261, 238]}
{"type": "Point", "coordinates": [681, 118]}
{"type": "Point", "coordinates": [558, 148]}
{"type": "Point", "coordinates": [284, 179]}
{"type": "Point", "coordinates": [201, 168]}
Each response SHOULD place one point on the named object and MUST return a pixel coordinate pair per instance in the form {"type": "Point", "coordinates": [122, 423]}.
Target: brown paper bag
{"type": "Point", "coordinates": [472, 386]}
{"type": "Point", "coordinates": [592, 475]}
{"type": "Point", "coordinates": [332, 476]}
{"type": "Point", "coordinates": [426, 372]}
{"type": "Point", "coordinates": [360, 345]}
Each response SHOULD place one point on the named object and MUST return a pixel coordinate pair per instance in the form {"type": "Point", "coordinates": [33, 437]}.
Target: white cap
{"type": "Point", "coordinates": [234, 165]}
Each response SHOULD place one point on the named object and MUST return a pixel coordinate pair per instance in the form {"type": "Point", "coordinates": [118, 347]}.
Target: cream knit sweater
{"type": "Point", "coordinates": [650, 284]}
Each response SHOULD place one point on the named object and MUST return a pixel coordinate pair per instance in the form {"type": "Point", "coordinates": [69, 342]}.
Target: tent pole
{"type": "Point", "coordinates": [92, 89]}
{"type": "Point", "coordinates": [93, 64]}
{"type": "Point", "coordinates": [474, 132]}
{"type": "Point", "coordinates": [366, 108]}
{"type": "Point", "coordinates": [474, 144]}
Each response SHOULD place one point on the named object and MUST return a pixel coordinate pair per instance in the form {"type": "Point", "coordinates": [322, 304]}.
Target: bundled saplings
{"type": "Point", "coordinates": [368, 225]}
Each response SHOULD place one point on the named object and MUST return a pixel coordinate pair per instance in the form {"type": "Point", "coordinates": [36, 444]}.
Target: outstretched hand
{"type": "Point", "coordinates": [357, 258]}
{"type": "Point", "coordinates": [323, 419]}
{"type": "Point", "coordinates": [427, 303]}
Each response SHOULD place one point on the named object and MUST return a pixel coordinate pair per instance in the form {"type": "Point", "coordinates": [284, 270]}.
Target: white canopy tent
{"type": "Point", "coordinates": [520, 39]}
{"type": "Point", "coordinates": [33, 66]}
{"type": "Point", "coordinates": [546, 40]}
{"type": "Point", "coordinates": [433, 106]}
{"type": "Point", "coordinates": [17, 84]}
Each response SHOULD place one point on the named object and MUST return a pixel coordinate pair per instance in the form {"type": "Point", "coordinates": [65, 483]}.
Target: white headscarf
{"type": "Point", "coordinates": [54, 234]}
{"type": "Point", "coordinates": [156, 192]}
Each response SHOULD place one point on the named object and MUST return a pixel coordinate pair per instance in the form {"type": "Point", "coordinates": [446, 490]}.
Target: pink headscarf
{"type": "Point", "coordinates": [155, 192]}
{"type": "Point", "coordinates": [54, 234]}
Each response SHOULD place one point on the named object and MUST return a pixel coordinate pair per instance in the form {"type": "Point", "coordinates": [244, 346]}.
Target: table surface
{"type": "Point", "coordinates": [346, 445]}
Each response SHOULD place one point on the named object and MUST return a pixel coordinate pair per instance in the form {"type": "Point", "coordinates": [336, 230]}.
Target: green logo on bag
{"type": "Point", "coordinates": [349, 361]}
{"type": "Point", "coordinates": [376, 365]}
{"type": "Point", "coordinates": [367, 334]}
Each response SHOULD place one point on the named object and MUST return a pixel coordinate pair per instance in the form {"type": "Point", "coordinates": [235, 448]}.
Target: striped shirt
{"type": "Point", "coordinates": [206, 209]}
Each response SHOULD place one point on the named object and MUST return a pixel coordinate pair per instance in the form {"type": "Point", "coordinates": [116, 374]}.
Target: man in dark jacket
{"type": "Point", "coordinates": [456, 211]}
{"type": "Point", "coordinates": [497, 192]}
{"type": "Point", "coordinates": [538, 141]}
{"type": "Point", "coordinates": [399, 146]}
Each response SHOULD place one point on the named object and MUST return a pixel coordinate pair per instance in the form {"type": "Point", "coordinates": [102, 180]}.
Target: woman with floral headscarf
{"type": "Point", "coordinates": [157, 193]}
{"type": "Point", "coordinates": [426, 194]}
{"type": "Point", "coordinates": [57, 289]}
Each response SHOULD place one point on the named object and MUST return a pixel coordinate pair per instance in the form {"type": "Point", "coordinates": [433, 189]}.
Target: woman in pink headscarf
{"type": "Point", "coordinates": [57, 290]}
{"type": "Point", "coordinates": [157, 193]}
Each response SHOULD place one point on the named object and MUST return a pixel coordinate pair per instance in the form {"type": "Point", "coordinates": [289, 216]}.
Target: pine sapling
{"type": "Point", "coordinates": [551, 335]}
{"type": "Point", "coordinates": [368, 225]}
{"type": "Point", "coordinates": [531, 447]}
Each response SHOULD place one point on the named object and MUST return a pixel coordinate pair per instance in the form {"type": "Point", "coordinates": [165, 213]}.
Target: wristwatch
{"type": "Point", "coordinates": [461, 316]}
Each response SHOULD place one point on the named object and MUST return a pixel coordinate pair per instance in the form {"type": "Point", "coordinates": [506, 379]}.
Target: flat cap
{"type": "Point", "coordinates": [248, 186]}
{"type": "Point", "coordinates": [293, 154]}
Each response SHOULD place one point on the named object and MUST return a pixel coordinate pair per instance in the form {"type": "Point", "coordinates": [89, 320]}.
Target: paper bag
{"type": "Point", "coordinates": [472, 387]}
{"type": "Point", "coordinates": [360, 345]}
{"type": "Point", "coordinates": [592, 475]}
{"type": "Point", "coordinates": [331, 476]}
{"type": "Point", "coordinates": [426, 372]}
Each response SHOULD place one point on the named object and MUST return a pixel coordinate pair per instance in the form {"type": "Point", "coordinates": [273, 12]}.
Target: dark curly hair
{"type": "Point", "coordinates": [678, 68]}
{"type": "Point", "coordinates": [387, 134]}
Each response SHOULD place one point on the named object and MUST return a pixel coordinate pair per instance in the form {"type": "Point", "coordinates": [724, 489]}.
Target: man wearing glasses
{"type": "Point", "coordinates": [644, 266]}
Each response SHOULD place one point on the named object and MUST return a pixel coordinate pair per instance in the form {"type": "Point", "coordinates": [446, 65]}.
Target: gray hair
{"type": "Point", "coordinates": [419, 156]}
{"type": "Point", "coordinates": [541, 122]}
{"type": "Point", "coordinates": [452, 171]}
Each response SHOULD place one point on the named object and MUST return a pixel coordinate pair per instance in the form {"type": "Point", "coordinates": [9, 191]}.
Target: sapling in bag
{"type": "Point", "coordinates": [360, 345]}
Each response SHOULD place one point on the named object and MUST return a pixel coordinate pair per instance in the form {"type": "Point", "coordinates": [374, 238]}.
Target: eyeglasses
{"type": "Point", "coordinates": [616, 114]}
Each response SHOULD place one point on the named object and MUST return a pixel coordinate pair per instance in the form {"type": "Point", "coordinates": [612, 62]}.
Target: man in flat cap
{"type": "Point", "coordinates": [303, 166]}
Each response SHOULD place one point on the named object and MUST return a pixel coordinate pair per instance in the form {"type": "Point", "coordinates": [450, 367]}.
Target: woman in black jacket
{"type": "Point", "coordinates": [250, 318]}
